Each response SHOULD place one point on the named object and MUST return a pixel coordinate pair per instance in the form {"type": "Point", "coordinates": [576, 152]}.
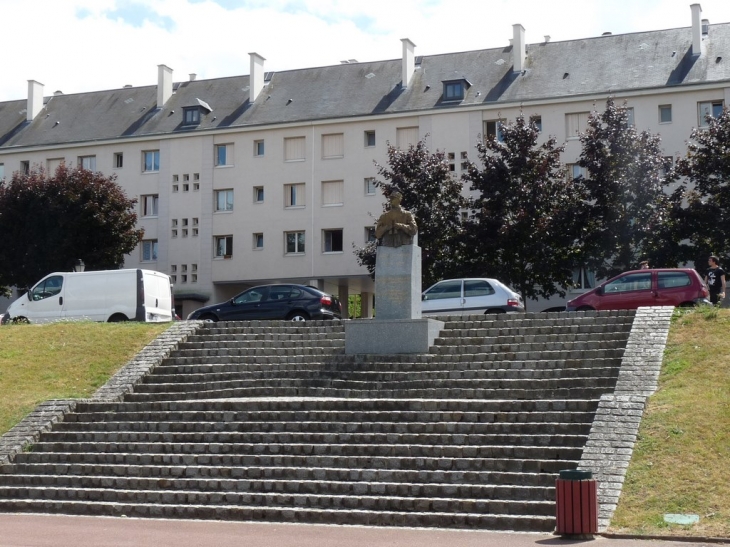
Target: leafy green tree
{"type": "Point", "coordinates": [434, 197]}
{"type": "Point", "coordinates": [49, 222]}
{"type": "Point", "coordinates": [706, 189]}
{"type": "Point", "coordinates": [526, 219]}
{"type": "Point", "coordinates": [629, 214]}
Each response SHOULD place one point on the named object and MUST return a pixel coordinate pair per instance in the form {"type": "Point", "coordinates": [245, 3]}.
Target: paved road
{"type": "Point", "coordinates": [63, 531]}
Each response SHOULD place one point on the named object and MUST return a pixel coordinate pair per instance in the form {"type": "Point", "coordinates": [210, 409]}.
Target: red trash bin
{"type": "Point", "coordinates": [576, 503]}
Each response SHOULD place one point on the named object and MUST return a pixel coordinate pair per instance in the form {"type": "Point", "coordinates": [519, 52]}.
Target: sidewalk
{"type": "Point", "coordinates": [22, 530]}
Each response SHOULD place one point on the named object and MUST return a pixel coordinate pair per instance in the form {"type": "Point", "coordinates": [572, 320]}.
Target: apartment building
{"type": "Point", "coordinates": [269, 176]}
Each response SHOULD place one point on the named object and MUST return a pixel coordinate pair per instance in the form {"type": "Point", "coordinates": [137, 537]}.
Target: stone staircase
{"type": "Point", "coordinates": [272, 421]}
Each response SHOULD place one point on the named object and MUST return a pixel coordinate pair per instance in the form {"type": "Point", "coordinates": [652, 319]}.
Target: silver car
{"type": "Point", "coordinates": [470, 296]}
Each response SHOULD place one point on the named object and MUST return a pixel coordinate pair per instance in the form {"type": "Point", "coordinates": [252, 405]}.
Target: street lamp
{"type": "Point", "coordinates": [79, 266]}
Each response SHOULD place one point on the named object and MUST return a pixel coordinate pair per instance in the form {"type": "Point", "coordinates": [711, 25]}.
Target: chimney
{"type": "Point", "coordinates": [518, 48]}
{"type": "Point", "coordinates": [256, 76]}
{"type": "Point", "coordinates": [164, 85]}
{"type": "Point", "coordinates": [696, 29]}
{"type": "Point", "coordinates": [193, 76]}
{"type": "Point", "coordinates": [409, 62]}
{"type": "Point", "coordinates": [35, 100]}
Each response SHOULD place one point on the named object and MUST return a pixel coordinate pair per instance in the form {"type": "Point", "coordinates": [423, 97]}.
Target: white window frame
{"type": "Point", "coordinates": [258, 241]}
{"type": "Point", "coordinates": [665, 107]}
{"type": "Point", "coordinates": [332, 237]}
{"type": "Point", "coordinates": [295, 148]}
{"type": "Point", "coordinates": [228, 197]}
{"type": "Point", "coordinates": [370, 234]}
{"type": "Point", "coordinates": [298, 238]}
{"type": "Point", "coordinates": [223, 246]}
{"type": "Point", "coordinates": [258, 194]}
{"type": "Point", "coordinates": [223, 155]}
{"type": "Point", "coordinates": [333, 146]}
{"type": "Point", "coordinates": [333, 193]}
{"type": "Point", "coordinates": [87, 162]}
{"type": "Point", "coordinates": [493, 127]}
{"type": "Point", "coordinates": [118, 160]}
{"type": "Point", "coordinates": [370, 188]}
{"type": "Point", "coordinates": [148, 250]}
{"type": "Point", "coordinates": [259, 148]}
{"type": "Point", "coordinates": [150, 205]}
{"type": "Point", "coordinates": [150, 161]}
{"type": "Point", "coordinates": [705, 107]}
{"type": "Point", "coordinates": [574, 171]}
{"type": "Point", "coordinates": [368, 134]}
{"type": "Point", "coordinates": [294, 195]}
{"type": "Point", "coordinates": [575, 124]}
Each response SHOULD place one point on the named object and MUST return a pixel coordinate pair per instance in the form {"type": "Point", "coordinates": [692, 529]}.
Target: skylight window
{"type": "Point", "coordinates": [455, 90]}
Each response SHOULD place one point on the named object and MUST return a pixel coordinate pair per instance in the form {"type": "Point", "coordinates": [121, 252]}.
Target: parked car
{"type": "Point", "coordinates": [290, 302]}
{"type": "Point", "coordinates": [470, 296]}
{"type": "Point", "coordinates": [648, 287]}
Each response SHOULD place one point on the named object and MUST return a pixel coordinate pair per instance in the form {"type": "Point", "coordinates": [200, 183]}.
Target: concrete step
{"type": "Point", "coordinates": [297, 486]}
{"type": "Point", "coordinates": [424, 519]}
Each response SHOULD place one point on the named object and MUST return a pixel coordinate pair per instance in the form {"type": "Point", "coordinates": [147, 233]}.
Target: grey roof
{"type": "Point", "coordinates": [601, 65]}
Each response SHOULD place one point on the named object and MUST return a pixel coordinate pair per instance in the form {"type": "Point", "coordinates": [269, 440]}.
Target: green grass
{"type": "Point", "coordinates": [62, 360]}
{"type": "Point", "coordinates": [682, 457]}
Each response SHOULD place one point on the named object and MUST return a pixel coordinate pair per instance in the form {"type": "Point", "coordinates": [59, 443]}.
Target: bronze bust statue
{"type": "Point", "coordinates": [396, 226]}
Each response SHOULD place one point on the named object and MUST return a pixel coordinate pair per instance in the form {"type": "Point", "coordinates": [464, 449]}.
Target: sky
{"type": "Point", "coordinates": [78, 46]}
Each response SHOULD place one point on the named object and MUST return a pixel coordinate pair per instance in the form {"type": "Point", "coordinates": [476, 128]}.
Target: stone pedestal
{"type": "Point", "coordinates": [389, 336]}
{"type": "Point", "coordinates": [398, 283]}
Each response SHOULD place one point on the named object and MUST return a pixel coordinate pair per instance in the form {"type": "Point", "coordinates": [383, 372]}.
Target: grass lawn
{"type": "Point", "coordinates": [681, 461]}
{"type": "Point", "coordinates": [62, 360]}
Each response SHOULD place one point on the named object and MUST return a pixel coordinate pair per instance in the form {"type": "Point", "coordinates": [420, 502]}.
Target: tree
{"type": "Point", "coordinates": [629, 214]}
{"type": "Point", "coordinates": [49, 222]}
{"type": "Point", "coordinates": [706, 168]}
{"type": "Point", "coordinates": [434, 197]}
{"type": "Point", "coordinates": [526, 219]}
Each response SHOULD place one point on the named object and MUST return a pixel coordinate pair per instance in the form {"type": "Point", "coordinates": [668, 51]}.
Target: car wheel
{"type": "Point", "coordinates": [297, 316]}
{"type": "Point", "coordinates": [19, 321]}
{"type": "Point", "coordinates": [208, 317]}
{"type": "Point", "coordinates": [585, 308]}
{"type": "Point", "coordinates": [118, 318]}
{"type": "Point", "coordinates": [496, 311]}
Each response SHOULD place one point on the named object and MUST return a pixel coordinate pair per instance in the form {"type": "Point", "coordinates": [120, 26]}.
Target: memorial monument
{"type": "Point", "coordinates": [397, 326]}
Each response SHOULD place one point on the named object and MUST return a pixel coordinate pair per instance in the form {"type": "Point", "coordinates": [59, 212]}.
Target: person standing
{"type": "Point", "coordinates": [715, 279]}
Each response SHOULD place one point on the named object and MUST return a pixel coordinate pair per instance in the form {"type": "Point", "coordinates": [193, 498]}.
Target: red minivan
{"type": "Point", "coordinates": [648, 287]}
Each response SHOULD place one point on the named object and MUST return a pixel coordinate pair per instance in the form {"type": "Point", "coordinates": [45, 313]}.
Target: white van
{"type": "Point", "coordinates": [106, 295]}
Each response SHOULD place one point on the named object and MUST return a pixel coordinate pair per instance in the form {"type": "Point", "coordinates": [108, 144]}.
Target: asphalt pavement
{"type": "Point", "coordinates": [24, 530]}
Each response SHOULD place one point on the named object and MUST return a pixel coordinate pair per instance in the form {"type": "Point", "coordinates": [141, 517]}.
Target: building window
{"type": "Point", "coordinates": [294, 149]}
{"type": "Point", "coordinates": [223, 246]}
{"type": "Point", "coordinates": [464, 161]}
{"type": "Point", "coordinates": [667, 164]}
{"type": "Point", "coordinates": [370, 187]}
{"type": "Point", "coordinates": [258, 194]}
{"type": "Point", "coordinates": [150, 205]}
{"type": "Point", "coordinates": [665, 113]}
{"type": "Point", "coordinates": [583, 279]}
{"type": "Point", "coordinates": [454, 90]}
{"type": "Point", "coordinates": [493, 128]}
{"type": "Point", "coordinates": [53, 163]}
{"type": "Point", "coordinates": [223, 155]}
{"type": "Point", "coordinates": [173, 279]}
{"type": "Point", "coordinates": [186, 187]}
{"type": "Point", "coordinates": [332, 192]}
{"type": "Point", "coordinates": [151, 161]}
{"type": "Point", "coordinates": [25, 167]}
{"type": "Point", "coordinates": [258, 148]}
{"type": "Point", "coordinates": [369, 139]}
{"type": "Point", "coordinates": [451, 157]}
{"type": "Point", "coordinates": [369, 234]}
{"type": "Point", "coordinates": [87, 162]}
{"type": "Point", "coordinates": [713, 109]}
{"type": "Point", "coordinates": [258, 241]}
{"type": "Point", "coordinates": [332, 241]}
{"type": "Point", "coordinates": [191, 115]}
{"type": "Point", "coordinates": [294, 195]}
{"type": "Point", "coordinates": [118, 160]}
{"type": "Point", "coordinates": [149, 250]}
{"type": "Point", "coordinates": [575, 171]}
{"type": "Point", "coordinates": [575, 124]}
{"type": "Point", "coordinates": [2, 171]}
{"type": "Point", "coordinates": [538, 122]}
{"type": "Point", "coordinates": [405, 137]}
{"type": "Point", "coordinates": [224, 200]}
{"type": "Point", "coordinates": [630, 117]}
{"type": "Point", "coordinates": [294, 242]}
{"type": "Point", "coordinates": [186, 177]}
{"type": "Point", "coordinates": [333, 146]}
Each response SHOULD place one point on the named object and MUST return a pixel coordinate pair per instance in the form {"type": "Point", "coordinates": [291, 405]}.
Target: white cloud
{"type": "Point", "coordinates": [64, 51]}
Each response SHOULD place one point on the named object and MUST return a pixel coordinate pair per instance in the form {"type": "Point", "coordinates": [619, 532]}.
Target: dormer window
{"type": "Point", "coordinates": [191, 115]}
{"type": "Point", "coordinates": [455, 90]}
